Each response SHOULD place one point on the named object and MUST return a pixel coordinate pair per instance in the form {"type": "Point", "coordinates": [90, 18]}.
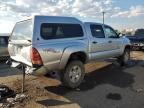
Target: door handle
{"type": "Point", "coordinates": [110, 41]}
{"type": "Point", "coordinates": [94, 42]}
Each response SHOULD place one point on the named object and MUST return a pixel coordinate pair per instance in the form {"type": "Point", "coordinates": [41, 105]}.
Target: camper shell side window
{"type": "Point", "coordinates": [58, 31]}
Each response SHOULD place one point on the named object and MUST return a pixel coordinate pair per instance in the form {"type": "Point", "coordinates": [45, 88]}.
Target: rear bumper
{"type": "Point", "coordinates": [39, 71]}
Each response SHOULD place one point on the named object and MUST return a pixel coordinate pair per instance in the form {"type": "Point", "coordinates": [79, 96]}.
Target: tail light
{"type": "Point", "coordinates": [35, 57]}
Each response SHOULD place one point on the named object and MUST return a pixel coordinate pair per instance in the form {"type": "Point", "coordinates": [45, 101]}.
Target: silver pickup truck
{"type": "Point", "coordinates": [64, 44]}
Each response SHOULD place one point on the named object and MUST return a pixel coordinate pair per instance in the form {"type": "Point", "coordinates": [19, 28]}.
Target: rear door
{"type": "Point", "coordinates": [99, 45]}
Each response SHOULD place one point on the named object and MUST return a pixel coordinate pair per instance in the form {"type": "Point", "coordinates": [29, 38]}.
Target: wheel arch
{"type": "Point", "coordinates": [128, 47]}
{"type": "Point", "coordinates": [73, 53]}
{"type": "Point", "coordinates": [80, 55]}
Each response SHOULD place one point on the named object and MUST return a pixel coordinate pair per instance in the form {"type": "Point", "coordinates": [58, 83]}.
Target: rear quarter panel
{"type": "Point", "coordinates": [56, 54]}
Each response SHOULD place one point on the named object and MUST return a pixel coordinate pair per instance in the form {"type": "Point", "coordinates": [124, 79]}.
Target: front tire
{"type": "Point", "coordinates": [74, 74]}
{"type": "Point", "coordinates": [125, 58]}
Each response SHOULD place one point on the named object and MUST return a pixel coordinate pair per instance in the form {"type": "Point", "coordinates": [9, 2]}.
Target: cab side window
{"type": "Point", "coordinates": [97, 31]}
{"type": "Point", "coordinates": [110, 33]}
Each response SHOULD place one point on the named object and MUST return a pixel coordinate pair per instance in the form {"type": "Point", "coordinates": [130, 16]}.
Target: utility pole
{"type": "Point", "coordinates": [103, 17]}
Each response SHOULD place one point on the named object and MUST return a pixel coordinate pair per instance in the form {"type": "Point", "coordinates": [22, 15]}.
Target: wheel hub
{"type": "Point", "coordinates": [75, 74]}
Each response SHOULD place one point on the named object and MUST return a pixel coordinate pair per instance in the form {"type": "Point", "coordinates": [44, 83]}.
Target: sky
{"type": "Point", "coordinates": [120, 14]}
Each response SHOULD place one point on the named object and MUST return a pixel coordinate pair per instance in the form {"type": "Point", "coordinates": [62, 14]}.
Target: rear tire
{"type": "Point", "coordinates": [74, 74]}
{"type": "Point", "coordinates": [125, 58]}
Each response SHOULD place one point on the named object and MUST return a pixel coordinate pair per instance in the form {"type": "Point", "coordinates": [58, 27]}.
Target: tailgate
{"type": "Point", "coordinates": [20, 52]}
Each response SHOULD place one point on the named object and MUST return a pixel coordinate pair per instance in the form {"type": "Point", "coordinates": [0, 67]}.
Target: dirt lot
{"type": "Point", "coordinates": [106, 85]}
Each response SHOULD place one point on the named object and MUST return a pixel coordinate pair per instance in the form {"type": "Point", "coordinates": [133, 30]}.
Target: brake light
{"type": "Point", "coordinates": [35, 57]}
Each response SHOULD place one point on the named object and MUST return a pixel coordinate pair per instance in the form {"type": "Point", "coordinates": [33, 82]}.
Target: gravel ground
{"type": "Point", "coordinates": [106, 85]}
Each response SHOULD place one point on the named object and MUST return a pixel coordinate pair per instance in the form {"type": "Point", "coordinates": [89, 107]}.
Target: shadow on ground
{"type": "Point", "coordinates": [52, 102]}
{"type": "Point", "coordinates": [5, 70]}
{"type": "Point", "coordinates": [112, 75]}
